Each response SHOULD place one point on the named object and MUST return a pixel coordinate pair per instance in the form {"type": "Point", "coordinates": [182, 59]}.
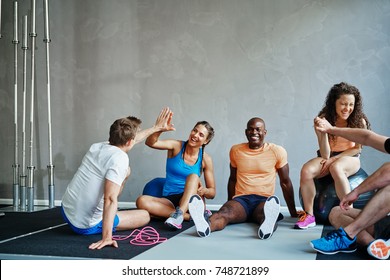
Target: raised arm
{"type": "Point", "coordinates": [364, 137]}
{"type": "Point", "coordinates": [323, 144]}
{"type": "Point", "coordinates": [163, 123]}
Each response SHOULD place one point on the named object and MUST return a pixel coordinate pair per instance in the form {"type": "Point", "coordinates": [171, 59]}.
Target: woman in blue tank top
{"type": "Point", "coordinates": [186, 162]}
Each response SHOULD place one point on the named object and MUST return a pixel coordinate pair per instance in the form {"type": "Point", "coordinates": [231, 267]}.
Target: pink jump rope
{"type": "Point", "coordinates": [142, 237]}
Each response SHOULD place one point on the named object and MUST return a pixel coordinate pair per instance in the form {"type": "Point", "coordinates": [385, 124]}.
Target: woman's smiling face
{"type": "Point", "coordinates": [344, 106]}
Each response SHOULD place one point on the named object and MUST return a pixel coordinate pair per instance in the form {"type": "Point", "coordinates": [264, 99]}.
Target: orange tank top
{"type": "Point", "coordinates": [340, 144]}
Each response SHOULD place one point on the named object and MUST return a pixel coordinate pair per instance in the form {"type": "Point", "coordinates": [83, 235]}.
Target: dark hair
{"type": "Point", "coordinates": [255, 119]}
{"type": "Point", "coordinates": [209, 128]}
{"type": "Point", "coordinates": [210, 136]}
{"type": "Point", "coordinates": [329, 109]}
{"type": "Point", "coordinates": [123, 130]}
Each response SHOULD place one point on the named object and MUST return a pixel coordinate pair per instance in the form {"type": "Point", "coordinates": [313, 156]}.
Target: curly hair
{"type": "Point", "coordinates": [329, 109]}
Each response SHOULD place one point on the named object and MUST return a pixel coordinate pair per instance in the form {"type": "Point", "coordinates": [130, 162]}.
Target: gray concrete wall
{"type": "Point", "coordinates": [221, 61]}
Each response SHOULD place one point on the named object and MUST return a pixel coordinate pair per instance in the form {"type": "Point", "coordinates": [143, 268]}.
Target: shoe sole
{"type": "Point", "coordinates": [196, 209]}
{"type": "Point", "coordinates": [306, 227]}
{"type": "Point", "coordinates": [379, 249]}
{"type": "Point", "coordinates": [173, 226]}
{"type": "Point", "coordinates": [271, 214]}
{"type": "Point", "coordinates": [333, 252]}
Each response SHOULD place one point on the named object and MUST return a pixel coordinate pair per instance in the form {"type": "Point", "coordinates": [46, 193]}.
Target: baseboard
{"type": "Point", "coordinates": [212, 207]}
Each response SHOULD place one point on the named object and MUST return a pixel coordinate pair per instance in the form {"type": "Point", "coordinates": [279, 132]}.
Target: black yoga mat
{"type": "Point", "coordinates": [52, 239]}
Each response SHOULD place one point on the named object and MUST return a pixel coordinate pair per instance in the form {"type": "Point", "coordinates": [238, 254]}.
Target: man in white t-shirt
{"type": "Point", "coordinates": [90, 202]}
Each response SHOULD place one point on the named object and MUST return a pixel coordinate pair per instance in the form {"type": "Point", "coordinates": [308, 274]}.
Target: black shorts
{"type": "Point", "coordinates": [250, 202]}
{"type": "Point", "coordinates": [174, 198]}
{"type": "Point", "coordinates": [332, 154]}
{"type": "Point", "coordinates": [382, 228]}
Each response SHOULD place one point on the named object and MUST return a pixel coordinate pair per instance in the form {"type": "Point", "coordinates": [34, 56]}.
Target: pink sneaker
{"type": "Point", "coordinates": [305, 221]}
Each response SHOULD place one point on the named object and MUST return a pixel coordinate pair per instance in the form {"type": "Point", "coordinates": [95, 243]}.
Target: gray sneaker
{"type": "Point", "coordinates": [176, 219]}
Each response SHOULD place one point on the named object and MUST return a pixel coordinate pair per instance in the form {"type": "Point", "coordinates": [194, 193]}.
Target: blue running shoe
{"type": "Point", "coordinates": [335, 242]}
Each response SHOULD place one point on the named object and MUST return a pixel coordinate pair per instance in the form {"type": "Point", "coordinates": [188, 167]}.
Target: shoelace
{"type": "Point", "coordinates": [302, 216]}
{"type": "Point", "coordinates": [176, 213]}
{"type": "Point", "coordinates": [143, 237]}
{"type": "Point", "coordinates": [333, 235]}
{"type": "Point", "coordinates": [338, 237]}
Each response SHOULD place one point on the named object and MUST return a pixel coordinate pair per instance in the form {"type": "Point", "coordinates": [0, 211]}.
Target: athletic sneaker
{"type": "Point", "coordinates": [305, 221]}
{"type": "Point", "coordinates": [207, 214]}
{"type": "Point", "coordinates": [196, 209]}
{"type": "Point", "coordinates": [334, 242]}
{"type": "Point", "coordinates": [379, 249]}
{"type": "Point", "coordinates": [271, 215]}
{"type": "Point", "coordinates": [176, 219]}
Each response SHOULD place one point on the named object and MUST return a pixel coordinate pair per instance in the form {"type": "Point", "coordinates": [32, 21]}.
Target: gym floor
{"type": "Point", "coordinates": [239, 242]}
{"type": "Point", "coordinates": [44, 235]}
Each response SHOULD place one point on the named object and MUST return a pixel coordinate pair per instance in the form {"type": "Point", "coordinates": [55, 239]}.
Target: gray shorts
{"type": "Point", "coordinates": [382, 228]}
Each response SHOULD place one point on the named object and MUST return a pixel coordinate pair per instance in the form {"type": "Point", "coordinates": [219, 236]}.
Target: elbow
{"type": "Point", "coordinates": [110, 200]}
{"type": "Point", "coordinates": [287, 185]}
{"type": "Point", "coordinates": [211, 196]}
{"type": "Point", "coordinates": [149, 143]}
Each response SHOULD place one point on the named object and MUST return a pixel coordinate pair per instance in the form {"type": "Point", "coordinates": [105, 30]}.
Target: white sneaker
{"type": "Point", "coordinates": [379, 249]}
{"type": "Point", "coordinates": [196, 209]}
{"type": "Point", "coordinates": [271, 214]}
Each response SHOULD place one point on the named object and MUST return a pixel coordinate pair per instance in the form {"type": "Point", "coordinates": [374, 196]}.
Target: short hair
{"type": "Point", "coordinates": [124, 129]}
{"type": "Point", "coordinates": [255, 119]}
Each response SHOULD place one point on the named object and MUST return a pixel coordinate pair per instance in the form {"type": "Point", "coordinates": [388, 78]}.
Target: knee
{"type": "Point", "coordinates": [334, 215]}
{"type": "Point", "coordinates": [306, 173]}
{"type": "Point", "coordinates": [218, 221]}
{"type": "Point", "coordinates": [192, 180]}
{"type": "Point", "coordinates": [141, 202]}
{"type": "Point", "coordinates": [335, 169]}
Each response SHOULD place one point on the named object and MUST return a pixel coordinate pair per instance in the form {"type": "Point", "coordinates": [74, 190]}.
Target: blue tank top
{"type": "Point", "coordinates": [177, 172]}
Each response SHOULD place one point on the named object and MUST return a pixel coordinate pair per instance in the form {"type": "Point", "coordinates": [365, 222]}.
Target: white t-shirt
{"type": "Point", "coordinates": [83, 198]}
